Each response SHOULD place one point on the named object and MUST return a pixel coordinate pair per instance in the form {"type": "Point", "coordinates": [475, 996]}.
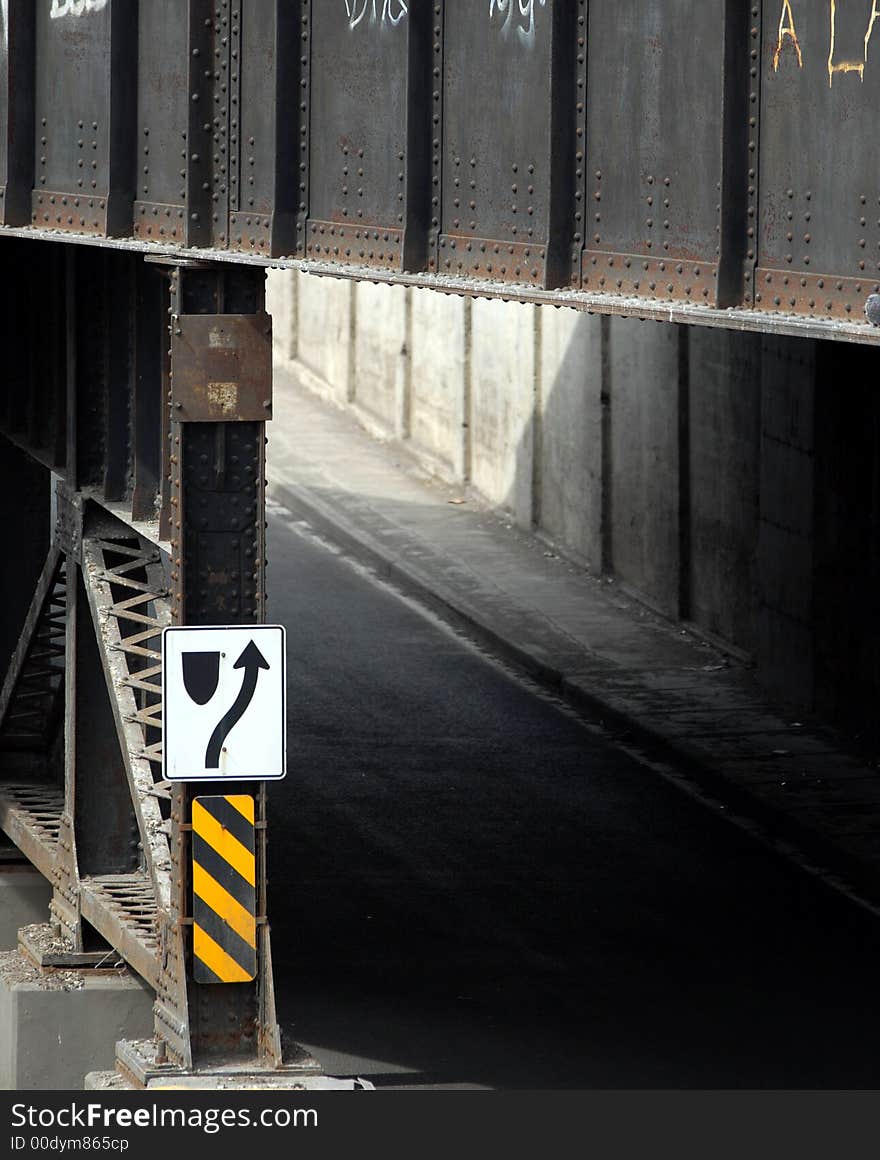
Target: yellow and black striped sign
{"type": "Point", "coordinates": [224, 890]}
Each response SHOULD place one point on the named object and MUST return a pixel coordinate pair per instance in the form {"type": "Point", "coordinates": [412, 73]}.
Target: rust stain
{"type": "Point", "coordinates": [223, 396]}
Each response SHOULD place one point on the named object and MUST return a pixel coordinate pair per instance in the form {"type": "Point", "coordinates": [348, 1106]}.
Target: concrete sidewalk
{"type": "Point", "coordinates": [647, 681]}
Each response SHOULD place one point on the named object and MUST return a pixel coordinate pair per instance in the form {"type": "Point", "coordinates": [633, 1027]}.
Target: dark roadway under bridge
{"type": "Point", "coordinates": [468, 884]}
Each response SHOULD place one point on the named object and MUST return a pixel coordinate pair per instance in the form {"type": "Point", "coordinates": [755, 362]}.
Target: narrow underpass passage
{"type": "Point", "coordinates": [469, 885]}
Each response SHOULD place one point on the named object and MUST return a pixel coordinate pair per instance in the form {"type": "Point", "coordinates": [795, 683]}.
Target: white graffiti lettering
{"type": "Point", "coordinates": [391, 12]}
{"type": "Point", "coordinates": [518, 13]}
{"type": "Point", "coordinates": [75, 7]}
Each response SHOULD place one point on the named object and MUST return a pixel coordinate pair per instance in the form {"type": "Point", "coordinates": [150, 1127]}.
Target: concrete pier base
{"type": "Point", "coordinates": [57, 1027]}
{"type": "Point", "coordinates": [24, 899]}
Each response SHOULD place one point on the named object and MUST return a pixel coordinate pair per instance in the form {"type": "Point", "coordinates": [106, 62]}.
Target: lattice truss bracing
{"type": "Point", "coordinates": [127, 606]}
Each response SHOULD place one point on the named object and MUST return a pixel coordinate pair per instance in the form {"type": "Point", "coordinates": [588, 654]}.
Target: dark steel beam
{"type": "Point", "coordinates": [660, 158]}
{"type": "Point", "coordinates": [17, 65]}
{"type": "Point", "coordinates": [217, 527]}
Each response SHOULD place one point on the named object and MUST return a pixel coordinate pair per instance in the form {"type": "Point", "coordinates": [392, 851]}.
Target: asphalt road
{"type": "Point", "coordinates": [469, 885]}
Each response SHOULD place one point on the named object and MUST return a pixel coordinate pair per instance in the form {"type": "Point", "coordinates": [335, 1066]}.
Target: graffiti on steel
{"type": "Point", "coordinates": [75, 7]}
{"type": "Point", "coordinates": [787, 38]}
{"type": "Point", "coordinates": [516, 13]}
{"type": "Point", "coordinates": [390, 12]}
{"type": "Point", "coordinates": [787, 29]}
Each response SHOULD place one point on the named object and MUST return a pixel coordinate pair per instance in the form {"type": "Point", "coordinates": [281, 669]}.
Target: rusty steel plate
{"type": "Point", "coordinates": [222, 367]}
{"type": "Point", "coordinates": [482, 257]}
{"type": "Point", "coordinates": [69, 212]}
{"type": "Point", "coordinates": [366, 246]}
{"type": "Point", "coordinates": [823, 295]}
{"type": "Point", "coordinates": [158, 222]}
{"type": "Point", "coordinates": [654, 278]}
{"type": "Point", "coordinates": [250, 232]}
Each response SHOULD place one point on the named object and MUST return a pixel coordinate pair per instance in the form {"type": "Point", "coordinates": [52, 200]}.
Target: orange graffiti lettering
{"type": "Point", "coordinates": [875, 12]}
{"type": "Point", "coordinates": [787, 30]}
{"type": "Point", "coordinates": [845, 66]}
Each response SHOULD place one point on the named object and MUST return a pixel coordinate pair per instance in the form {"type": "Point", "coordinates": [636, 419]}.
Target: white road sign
{"type": "Point", "coordinates": [224, 703]}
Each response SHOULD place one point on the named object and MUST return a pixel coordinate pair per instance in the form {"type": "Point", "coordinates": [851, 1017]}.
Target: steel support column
{"type": "Point", "coordinates": [216, 522]}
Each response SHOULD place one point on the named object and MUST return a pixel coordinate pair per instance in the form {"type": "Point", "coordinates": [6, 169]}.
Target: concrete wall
{"type": "Point", "coordinates": [723, 454]}
{"type": "Point", "coordinates": [502, 405]}
{"type": "Point", "coordinates": [785, 531]}
{"type": "Point", "coordinates": [569, 438]}
{"type": "Point", "coordinates": [709, 471]}
{"type": "Point", "coordinates": [440, 380]}
{"type": "Point", "coordinates": [644, 390]}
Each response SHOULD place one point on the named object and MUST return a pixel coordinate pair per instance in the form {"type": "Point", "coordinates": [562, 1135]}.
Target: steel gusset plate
{"type": "Point", "coordinates": [222, 367]}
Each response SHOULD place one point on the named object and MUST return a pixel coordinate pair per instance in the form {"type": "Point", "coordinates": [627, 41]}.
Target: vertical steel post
{"type": "Point", "coordinates": [217, 535]}
{"type": "Point", "coordinates": [65, 904]}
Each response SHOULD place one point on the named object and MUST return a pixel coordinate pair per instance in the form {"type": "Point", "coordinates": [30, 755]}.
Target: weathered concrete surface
{"type": "Point", "coordinates": [440, 368]}
{"type": "Point", "coordinates": [325, 322]}
{"type": "Point", "coordinates": [785, 534]}
{"type": "Point", "coordinates": [55, 1028]}
{"type": "Point", "coordinates": [644, 483]}
{"type": "Point", "coordinates": [569, 495]}
{"type": "Point", "coordinates": [381, 366]}
{"type": "Point", "coordinates": [24, 899]}
{"type": "Point", "coordinates": [503, 405]}
{"type": "Point", "coordinates": [723, 452]}
{"type": "Point", "coordinates": [282, 305]}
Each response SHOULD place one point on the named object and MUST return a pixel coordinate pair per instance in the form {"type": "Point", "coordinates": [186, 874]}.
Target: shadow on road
{"type": "Point", "coordinates": [467, 885]}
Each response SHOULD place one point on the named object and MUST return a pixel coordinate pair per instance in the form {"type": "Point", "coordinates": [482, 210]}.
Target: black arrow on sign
{"type": "Point", "coordinates": [251, 660]}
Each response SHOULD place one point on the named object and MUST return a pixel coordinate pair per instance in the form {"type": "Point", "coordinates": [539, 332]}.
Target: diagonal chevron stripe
{"type": "Point", "coordinates": [221, 840]}
{"type": "Point", "coordinates": [244, 803]}
{"type": "Point", "coordinates": [224, 892]}
{"type": "Point", "coordinates": [222, 872]}
{"type": "Point", "coordinates": [232, 819]}
{"type": "Point", "coordinates": [240, 951]}
{"type": "Point", "coordinates": [223, 904]}
{"type": "Point", "coordinates": [216, 959]}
